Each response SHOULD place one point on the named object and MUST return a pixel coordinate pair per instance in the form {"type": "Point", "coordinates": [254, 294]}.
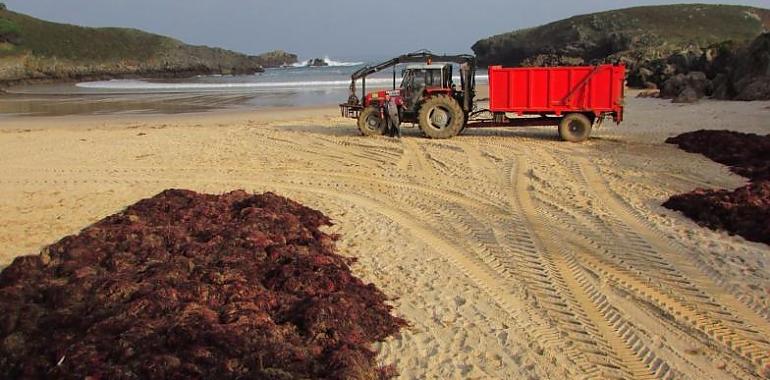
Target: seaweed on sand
{"type": "Point", "coordinates": [744, 211]}
{"type": "Point", "coordinates": [186, 285]}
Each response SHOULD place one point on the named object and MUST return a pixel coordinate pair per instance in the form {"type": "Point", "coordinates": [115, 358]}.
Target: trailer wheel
{"type": "Point", "coordinates": [441, 117]}
{"type": "Point", "coordinates": [370, 123]}
{"type": "Point", "coordinates": [575, 127]}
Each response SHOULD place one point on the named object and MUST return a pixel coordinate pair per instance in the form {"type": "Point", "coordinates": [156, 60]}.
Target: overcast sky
{"type": "Point", "coordinates": [346, 29]}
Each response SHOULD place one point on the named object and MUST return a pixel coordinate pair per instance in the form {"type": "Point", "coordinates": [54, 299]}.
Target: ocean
{"type": "Point", "coordinates": [296, 86]}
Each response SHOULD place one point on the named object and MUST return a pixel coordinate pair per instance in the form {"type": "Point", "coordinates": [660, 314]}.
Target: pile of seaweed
{"type": "Point", "coordinates": [744, 211]}
{"type": "Point", "coordinates": [187, 285]}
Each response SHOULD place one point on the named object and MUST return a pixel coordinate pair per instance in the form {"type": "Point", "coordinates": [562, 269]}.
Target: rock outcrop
{"type": "Point", "coordinates": [686, 88]}
{"type": "Point", "coordinates": [734, 71]}
{"type": "Point", "coordinates": [632, 34]}
{"type": "Point", "coordinates": [37, 50]}
{"type": "Point", "coordinates": [317, 62]}
{"type": "Point", "coordinates": [746, 73]}
{"type": "Point", "coordinates": [277, 58]}
{"type": "Point", "coordinates": [655, 42]}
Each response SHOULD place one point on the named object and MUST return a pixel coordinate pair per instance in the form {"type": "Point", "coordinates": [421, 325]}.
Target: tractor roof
{"type": "Point", "coordinates": [436, 66]}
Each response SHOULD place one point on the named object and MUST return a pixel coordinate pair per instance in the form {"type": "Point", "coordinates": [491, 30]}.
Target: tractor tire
{"type": "Point", "coordinates": [370, 123]}
{"type": "Point", "coordinates": [441, 117]}
{"type": "Point", "coordinates": [575, 127]}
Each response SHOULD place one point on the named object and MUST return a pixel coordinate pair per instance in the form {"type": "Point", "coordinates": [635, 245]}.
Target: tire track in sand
{"type": "Point", "coordinates": [558, 286]}
{"type": "Point", "coordinates": [669, 290]}
{"type": "Point", "coordinates": [721, 316]}
{"type": "Point", "coordinates": [591, 302]}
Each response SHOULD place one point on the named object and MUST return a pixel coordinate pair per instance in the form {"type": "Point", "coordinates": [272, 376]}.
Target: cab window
{"type": "Point", "coordinates": [433, 78]}
{"type": "Point", "coordinates": [423, 77]}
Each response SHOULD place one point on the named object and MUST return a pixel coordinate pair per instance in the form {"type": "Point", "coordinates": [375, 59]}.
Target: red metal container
{"type": "Point", "coordinates": [558, 90]}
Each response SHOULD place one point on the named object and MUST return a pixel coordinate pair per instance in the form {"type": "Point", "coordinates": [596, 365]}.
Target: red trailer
{"type": "Point", "coordinates": [576, 98]}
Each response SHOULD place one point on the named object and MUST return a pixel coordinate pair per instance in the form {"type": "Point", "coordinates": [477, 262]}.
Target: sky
{"type": "Point", "coordinates": [340, 29]}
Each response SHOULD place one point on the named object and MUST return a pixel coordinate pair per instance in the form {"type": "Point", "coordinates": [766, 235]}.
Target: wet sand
{"type": "Point", "coordinates": [513, 254]}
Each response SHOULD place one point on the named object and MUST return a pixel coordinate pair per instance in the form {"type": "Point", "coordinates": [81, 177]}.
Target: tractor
{"type": "Point", "coordinates": [427, 95]}
{"type": "Point", "coordinates": [576, 98]}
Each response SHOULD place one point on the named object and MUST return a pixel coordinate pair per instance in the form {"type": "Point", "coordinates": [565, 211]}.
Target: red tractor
{"type": "Point", "coordinates": [427, 96]}
{"type": "Point", "coordinates": [574, 98]}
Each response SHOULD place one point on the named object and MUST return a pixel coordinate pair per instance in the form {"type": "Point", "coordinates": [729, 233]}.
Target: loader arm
{"type": "Point", "coordinates": [467, 77]}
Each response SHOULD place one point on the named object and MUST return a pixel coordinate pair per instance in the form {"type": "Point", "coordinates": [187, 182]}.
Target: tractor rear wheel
{"type": "Point", "coordinates": [575, 127]}
{"type": "Point", "coordinates": [370, 122]}
{"type": "Point", "coordinates": [441, 117]}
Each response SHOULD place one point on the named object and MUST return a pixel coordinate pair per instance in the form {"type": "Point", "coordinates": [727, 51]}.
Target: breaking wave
{"type": "Point", "coordinates": [330, 62]}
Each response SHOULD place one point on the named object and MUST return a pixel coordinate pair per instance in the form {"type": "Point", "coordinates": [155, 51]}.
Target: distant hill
{"type": "Point", "coordinates": [34, 49]}
{"type": "Point", "coordinates": [632, 34]}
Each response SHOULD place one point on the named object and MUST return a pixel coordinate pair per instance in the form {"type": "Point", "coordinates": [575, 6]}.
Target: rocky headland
{"type": "Point", "coordinates": [34, 50]}
{"type": "Point", "coordinates": [718, 50]}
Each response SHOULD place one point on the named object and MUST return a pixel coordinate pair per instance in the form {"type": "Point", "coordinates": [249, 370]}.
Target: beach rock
{"type": "Point", "coordinates": [185, 285]}
{"type": "Point", "coordinates": [277, 58]}
{"type": "Point", "coordinates": [673, 86]}
{"type": "Point", "coordinates": [645, 74]}
{"type": "Point", "coordinates": [757, 88]}
{"type": "Point", "coordinates": [688, 95]}
{"type": "Point", "coordinates": [686, 88]}
{"type": "Point", "coordinates": [684, 61]}
{"type": "Point", "coordinates": [317, 62]}
{"type": "Point", "coordinates": [747, 72]}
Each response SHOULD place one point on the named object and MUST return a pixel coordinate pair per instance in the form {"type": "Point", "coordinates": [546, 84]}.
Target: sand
{"type": "Point", "coordinates": [513, 254]}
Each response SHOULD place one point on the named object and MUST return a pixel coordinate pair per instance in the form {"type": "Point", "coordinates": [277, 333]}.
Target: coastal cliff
{"type": "Point", "coordinates": [36, 50]}
{"type": "Point", "coordinates": [632, 34]}
{"type": "Point", "coordinates": [657, 44]}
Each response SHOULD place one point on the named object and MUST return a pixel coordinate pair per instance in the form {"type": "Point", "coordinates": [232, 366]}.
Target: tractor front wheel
{"type": "Point", "coordinates": [575, 127]}
{"type": "Point", "coordinates": [441, 117]}
{"type": "Point", "coordinates": [370, 122]}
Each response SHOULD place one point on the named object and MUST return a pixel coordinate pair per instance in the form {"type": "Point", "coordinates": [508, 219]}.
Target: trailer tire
{"type": "Point", "coordinates": [441, 117]}
{"type": "Point", "coordinates": [575, 127]}
{"type": "Point", "coordinates": [370, 123]}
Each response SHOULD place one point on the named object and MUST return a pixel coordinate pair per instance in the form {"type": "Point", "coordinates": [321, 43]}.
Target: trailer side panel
{"type": "Point", "coordinates": [557, 90]}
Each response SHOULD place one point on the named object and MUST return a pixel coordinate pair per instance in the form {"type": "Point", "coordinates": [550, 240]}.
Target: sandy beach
{"type": "Point", "coordinates": [513, 255]}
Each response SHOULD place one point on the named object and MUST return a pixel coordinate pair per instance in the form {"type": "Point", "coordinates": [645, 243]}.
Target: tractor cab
{"type": "Point", "coordinates": [417, 79]}
{"type": "Point", "coordinates": [427, 96]}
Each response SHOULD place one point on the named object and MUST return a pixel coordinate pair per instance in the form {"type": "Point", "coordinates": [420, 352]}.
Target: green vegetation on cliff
{"type": "Point", "coordinates": [31, 48]}
{"type": "Point", "coordinates": [639, 33]}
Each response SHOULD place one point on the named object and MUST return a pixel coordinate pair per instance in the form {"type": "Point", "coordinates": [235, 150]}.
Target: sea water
{"type": "Point", "coordinates": [294, 86]}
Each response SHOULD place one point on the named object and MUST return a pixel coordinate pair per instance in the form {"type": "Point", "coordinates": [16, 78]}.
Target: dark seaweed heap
{"type": "Point", "coordinates": [186, 285]}
{"type": "Point", "coordinates": [744, 211]}
{"type": "Point", "coordinates": [746, 154]}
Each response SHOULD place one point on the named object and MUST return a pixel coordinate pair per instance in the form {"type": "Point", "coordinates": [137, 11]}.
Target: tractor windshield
{"type": "Point", "coordinates": [422, 77]}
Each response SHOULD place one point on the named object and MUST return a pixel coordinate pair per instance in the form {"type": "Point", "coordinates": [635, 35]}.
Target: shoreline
{"type": "Point", "coordinates": [168, 74]}
{"type": "Point", "coordinates": [236, 115]}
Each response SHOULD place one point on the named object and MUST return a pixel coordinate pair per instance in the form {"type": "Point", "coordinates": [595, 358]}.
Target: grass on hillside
{"type": "Point", "coordinates": [48, 39]}
{"type": "Point", "coordinates": [659, 26]}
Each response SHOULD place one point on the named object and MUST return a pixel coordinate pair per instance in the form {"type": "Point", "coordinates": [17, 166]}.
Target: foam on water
{"type": "Point", "coordinates": [122, 84]}
{"type": "Point", "coordinates": [330, 62]}
{"type": "Point", "coordinates": [311, 85]}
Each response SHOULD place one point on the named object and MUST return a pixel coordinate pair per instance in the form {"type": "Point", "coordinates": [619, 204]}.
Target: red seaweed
{"type": "Point", "coordinates": [746, 154]}
{"type": "Point", "coordinates": [744, 211]}
{"type": "Point", "coordinates": [185, 285]}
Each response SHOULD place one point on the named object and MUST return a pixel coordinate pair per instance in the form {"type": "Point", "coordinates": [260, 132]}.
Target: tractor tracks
{"type": "Point", "coordinates": [587, 287]}
{"type": "Point", "coordinates": [623, 252]}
